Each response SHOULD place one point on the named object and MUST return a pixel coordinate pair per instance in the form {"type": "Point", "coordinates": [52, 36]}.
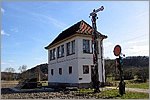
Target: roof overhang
{"type": "Point", "coordinates": [73, 36]}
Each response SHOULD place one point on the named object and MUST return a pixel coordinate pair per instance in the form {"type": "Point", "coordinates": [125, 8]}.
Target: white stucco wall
{"type": "Point", "coordinates": [77, 61]}
{"type": "Point", "coordinates": [87, 59]}
{"type": "Point", "coordinates": [64, 63]}
{"type": "Point", "coordinates": [65, 77]}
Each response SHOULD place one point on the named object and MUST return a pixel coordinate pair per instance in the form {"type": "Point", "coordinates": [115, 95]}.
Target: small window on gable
{"type": "Point", "coordinates": [70, 69]}
{"type": "Point", "coordinates": [85, 69]}
{"type": "Point", "coordinates": [52, 71]}
{"type": "Point", "coordinates": [60, 71]}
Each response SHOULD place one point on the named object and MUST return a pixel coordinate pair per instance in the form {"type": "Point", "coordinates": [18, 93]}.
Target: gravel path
{"type": "Point", "coordinates": [138, 90]}
{"type": "Point", "coordinates": [131, 89]}
{"type": "Point", "coordinates": [6, 93]}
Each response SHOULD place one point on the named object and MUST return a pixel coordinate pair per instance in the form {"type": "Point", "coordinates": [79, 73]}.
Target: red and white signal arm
{"type": "Point", "coordinates": [117, 50]}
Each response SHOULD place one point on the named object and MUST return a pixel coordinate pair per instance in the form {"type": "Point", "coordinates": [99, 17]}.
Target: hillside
{"type": "Point", "coordinates": [134, 66]}
{"type": "Point", "coordinates": [37, 71]}
{"type": "Point", "coordinates": [9, 76]}
{"type": "Point", "coordinates": [33, 72]}
{"type": "Point", "coordinates": [43, 68]}
{"type": "Point", "coordinates": [137, 61]}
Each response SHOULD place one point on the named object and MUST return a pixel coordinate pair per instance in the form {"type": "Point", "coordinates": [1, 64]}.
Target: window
{"type": "Point", "coordinates": [85, 69]}
{"type": "Point", "coordinates": [51, 55]}
{"type": "Point", "coordinates": [54, 53]}
{"type": "Point", "coordinates": [58, 52]}
{"type": "Point", "coordinates": [60, 71]}
{"type": "Point", "coordinates": [68, 48]}
{"type": "Point", "coordinates": [62, 50]}
{"type": "Point", "coordinates": [73, 46]}
{"type": "Point", "coordinates": [70, 69]}
{"type": "Point", "coordinates": [80, 78]}
{"type": "Point", "coordinates": [86, 46]}
{"type": "Point", "coordinates": [52, 71]}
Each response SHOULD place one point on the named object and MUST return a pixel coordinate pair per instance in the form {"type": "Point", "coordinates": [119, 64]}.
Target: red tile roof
{"type": "Point", "coordinates": [79, 28]}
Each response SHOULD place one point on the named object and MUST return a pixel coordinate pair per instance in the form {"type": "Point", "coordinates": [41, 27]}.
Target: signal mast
{"type": "Point", "coordinates": [95, 48]}
{"type": "Point", "coordinates": [119, 64]}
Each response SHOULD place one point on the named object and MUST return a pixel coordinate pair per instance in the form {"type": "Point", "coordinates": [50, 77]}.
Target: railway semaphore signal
{"type": "Point", "coordinates": [95, 48]}
{"type": "Point", "coordinates": [119, 65]}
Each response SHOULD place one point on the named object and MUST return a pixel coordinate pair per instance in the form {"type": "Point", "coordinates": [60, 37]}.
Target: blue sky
{"type": "Point", "coordinates": [28, 26]}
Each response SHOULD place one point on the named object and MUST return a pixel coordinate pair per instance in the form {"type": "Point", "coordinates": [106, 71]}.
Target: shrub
{"type": "Point", "coordinates": [143, 74]}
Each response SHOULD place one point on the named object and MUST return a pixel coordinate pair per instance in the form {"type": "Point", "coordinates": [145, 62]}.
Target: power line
{"type": "Point", "coordinates": [127, 53]}
{"type": "Point", "coordinates": [125, 48]}
{"type": "Point", "coordinates": [130, 39]}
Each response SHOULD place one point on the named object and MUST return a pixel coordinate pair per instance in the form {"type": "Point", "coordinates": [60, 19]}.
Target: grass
{"type": "Point", "coordinates": [132, 84]}
{"type": "Point", "coordinates": [114, 94]}
{"type": "Point", "coordinates": [135, 85]}
{"type": "Point", "coordinates": [86, 90]}
{"type": "Point", "coordinates": [138, 85]}
{"type": "Point", "coordinates": [8, 85]}
{"type": "Point", "coordinates": [129, 95]}
{"type": "Point", "coordinates": [44, 83]}
{"type": "Point", "coordinates": [3, 81]}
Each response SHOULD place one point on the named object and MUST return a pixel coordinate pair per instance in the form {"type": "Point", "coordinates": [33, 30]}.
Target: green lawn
{"type": "Point", "coordinates": [132, 84]}
{"type": "Point", "coordinates": [138, 85]}
{"type": "Point", "coordinates": [85, 90]}
{"type": "Point", "coordinates": [44, 83]}
{"type": "Point", "coordinates": [129, 95]}
{"type": "Point", "coordinates": [114, 94]}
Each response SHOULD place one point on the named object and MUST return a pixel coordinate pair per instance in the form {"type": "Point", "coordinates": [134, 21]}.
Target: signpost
{"type": "Point", "coordinates": [95, 48]}
{"type": "Point", "coordinates": [119, 64]}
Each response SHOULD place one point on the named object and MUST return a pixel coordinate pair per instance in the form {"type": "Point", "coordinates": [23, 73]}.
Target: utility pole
{"type": "Point", "coordinates": [95, 48]}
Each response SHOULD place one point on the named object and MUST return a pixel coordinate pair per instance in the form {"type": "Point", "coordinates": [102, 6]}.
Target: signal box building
{"type": "Point", "coordinates": [70, 57]}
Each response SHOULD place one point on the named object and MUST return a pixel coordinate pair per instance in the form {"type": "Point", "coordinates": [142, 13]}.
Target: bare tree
{"type": "Point", "coordinates": [8, 74]}
{"type": "Point", "coordinates": [38, 73]}
{"type": "Point", "coordinates": [10, 70]}
{"type": "Point", "coordinates": [22, 68]}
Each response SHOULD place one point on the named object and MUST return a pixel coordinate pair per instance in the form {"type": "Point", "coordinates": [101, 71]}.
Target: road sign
{"type": "Point", "coordinates": [117, 50]}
